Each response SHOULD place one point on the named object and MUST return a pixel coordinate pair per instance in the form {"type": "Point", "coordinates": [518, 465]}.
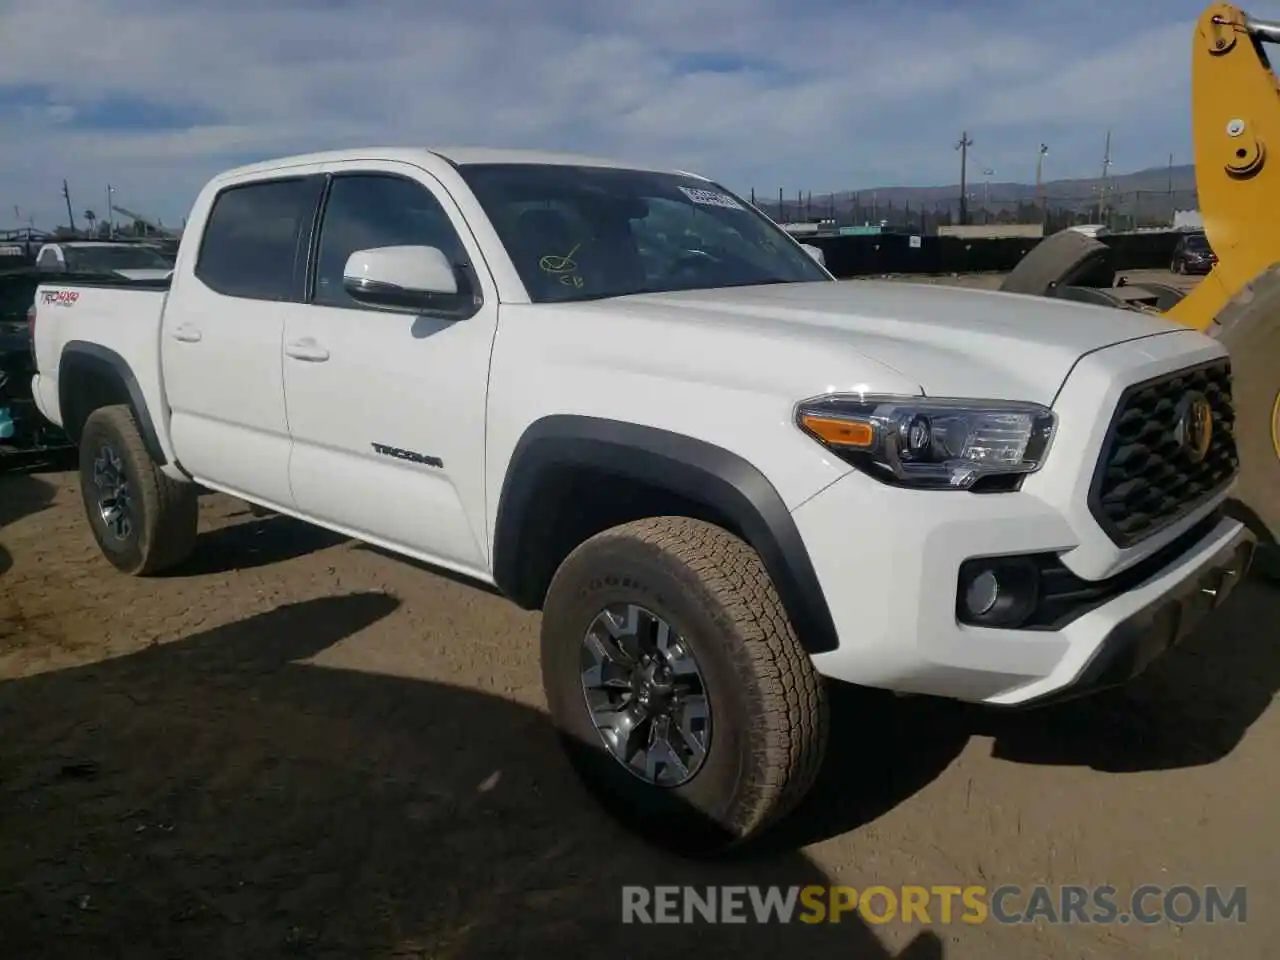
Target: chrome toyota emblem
{"type": "Point", "coordinates": [1195, 425]}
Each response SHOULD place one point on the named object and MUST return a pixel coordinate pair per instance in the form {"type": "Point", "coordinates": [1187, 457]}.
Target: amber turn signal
{"type": "Point", "coordinates": [839, 432]}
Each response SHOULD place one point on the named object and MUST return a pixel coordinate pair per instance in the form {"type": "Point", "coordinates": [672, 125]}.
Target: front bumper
{"type": "Point", "coordinates": [1134, 643]}
{"type": "Point", "coordinates": [891, 582]}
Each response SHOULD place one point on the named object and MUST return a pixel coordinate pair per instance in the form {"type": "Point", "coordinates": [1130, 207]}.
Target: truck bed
{"type": "Point", "coordinates": [120, 317]}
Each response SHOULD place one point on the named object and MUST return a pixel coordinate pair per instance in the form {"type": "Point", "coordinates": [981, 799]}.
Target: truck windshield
{"type": "Point", "coordinates": [95, 259]}
{"type": "Point", "coordinates": [584, 233]}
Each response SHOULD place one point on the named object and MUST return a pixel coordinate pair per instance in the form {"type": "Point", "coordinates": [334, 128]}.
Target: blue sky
{"type": "Point", "coordinates": [154, 96]}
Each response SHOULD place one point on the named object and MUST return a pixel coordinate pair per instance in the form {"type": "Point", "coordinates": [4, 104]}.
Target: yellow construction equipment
{"type": "Point", "coordinates": [1235, 114]}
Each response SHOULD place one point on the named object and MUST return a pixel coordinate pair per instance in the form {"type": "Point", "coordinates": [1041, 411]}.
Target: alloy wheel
{"type": "Point", "coordinates": [645, 694]}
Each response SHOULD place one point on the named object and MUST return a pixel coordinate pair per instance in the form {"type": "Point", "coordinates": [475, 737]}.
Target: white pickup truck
{"type": "Point", "coordinates": [627, 398]}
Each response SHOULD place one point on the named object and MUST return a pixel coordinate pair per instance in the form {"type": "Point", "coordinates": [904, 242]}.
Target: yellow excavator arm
{"type": "Point", "coordinates": [1235, 125]}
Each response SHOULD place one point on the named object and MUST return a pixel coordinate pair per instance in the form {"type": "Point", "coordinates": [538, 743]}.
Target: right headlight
{"type": "Point", "coordinates": [930, 443]}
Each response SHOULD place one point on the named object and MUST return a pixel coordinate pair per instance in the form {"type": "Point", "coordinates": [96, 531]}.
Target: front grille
{"type": "Point", "coordinates": [1146, 479]}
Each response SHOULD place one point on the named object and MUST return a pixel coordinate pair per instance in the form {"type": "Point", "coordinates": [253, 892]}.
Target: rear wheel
{"type": "Point", "coordinates": [143, 521]}
{"type": "Point", "coordinates": [680, 691]}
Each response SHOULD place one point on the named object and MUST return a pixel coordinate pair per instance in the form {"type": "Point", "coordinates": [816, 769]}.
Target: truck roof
{"type": "Point", "coordinates": [459, 156]}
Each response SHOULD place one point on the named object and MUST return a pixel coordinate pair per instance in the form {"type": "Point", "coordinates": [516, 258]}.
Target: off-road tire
{"type": "Point", "coordinates": [165, 511]}
{"type": "Point", "coordinates": [1065, 259]}
{"type": "Point", "coordinates": [768, 704]}
{"type": "Point", "coordinates": [1249, 327]}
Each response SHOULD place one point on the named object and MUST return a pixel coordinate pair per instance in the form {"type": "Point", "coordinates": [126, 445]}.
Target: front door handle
{"type": "Point", "coordinates": [187, 333]}
{"type": "Point", "coordinates": [306, 349]}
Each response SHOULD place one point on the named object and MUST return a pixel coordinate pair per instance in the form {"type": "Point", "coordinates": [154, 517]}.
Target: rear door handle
{"type": "Point", "coordinates": [187, 333]}
{"type": "Point", "coordinates": [306, 349]}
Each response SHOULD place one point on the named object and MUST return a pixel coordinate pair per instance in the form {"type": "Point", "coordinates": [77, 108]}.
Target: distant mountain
{"type": "Point", "coordinates": [1145, 194]}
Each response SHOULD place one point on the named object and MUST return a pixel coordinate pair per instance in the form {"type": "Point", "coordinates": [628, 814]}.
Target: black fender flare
{"type": "Point", "coordinates": [690, 468]}
{"type": "Point", "coordinates": [82, 356]}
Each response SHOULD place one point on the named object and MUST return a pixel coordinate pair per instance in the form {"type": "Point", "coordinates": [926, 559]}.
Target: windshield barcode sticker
{"type": "Point", "coordinates": [711, 198]}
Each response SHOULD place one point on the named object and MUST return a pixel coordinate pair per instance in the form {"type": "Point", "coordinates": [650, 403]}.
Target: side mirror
{"type": "Point", "coordinates": [402, 278]}
{"type": "Point", "coordinates": [816, 253]}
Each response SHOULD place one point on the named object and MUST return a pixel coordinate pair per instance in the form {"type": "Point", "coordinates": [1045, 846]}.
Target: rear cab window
{"type": "Point", "coordinates": [255, 239]}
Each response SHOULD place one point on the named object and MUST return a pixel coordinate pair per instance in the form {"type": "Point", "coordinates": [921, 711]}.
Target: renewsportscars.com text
{"type": "Point", "coordinates": [972, 904]}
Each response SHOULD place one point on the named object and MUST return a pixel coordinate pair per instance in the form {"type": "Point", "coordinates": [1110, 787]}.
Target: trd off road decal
{"type": "Point", "coordinates": [60, 298]}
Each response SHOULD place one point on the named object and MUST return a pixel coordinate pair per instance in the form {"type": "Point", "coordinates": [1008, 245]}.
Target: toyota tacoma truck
{"type": "Point", "coordinates": [626, 398]}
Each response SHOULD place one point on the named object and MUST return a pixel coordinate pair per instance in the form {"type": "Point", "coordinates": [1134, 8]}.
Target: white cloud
{"type": "Point", "coordinates": [831, 94]}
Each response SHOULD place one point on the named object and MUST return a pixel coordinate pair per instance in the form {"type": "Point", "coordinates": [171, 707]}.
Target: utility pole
{"type": "Point", "coordinates": [1106, 170]}
{"type": "Point", "coordinates": [963, 146]}
{"type": "Point", "coordinates": [1040, 173]}
{"type": "Point", "coordinates": [111, 213]}
{"type": "Point", "coordinates": [66, 195]}
{"type": "Point", "coordinates": [987, 174]}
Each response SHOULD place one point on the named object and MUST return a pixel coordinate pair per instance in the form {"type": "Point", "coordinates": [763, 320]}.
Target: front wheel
{"type": "Point", "coordinates": [678, 685]}
{"type": "Point", "coordinates": [144, 522]}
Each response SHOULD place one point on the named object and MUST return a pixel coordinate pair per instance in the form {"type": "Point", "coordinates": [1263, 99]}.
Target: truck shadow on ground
{"type": "Point", "coordinates": [1189, 709]}
{"type": "Point", "coordinates": [260, 542]}
{"type": "Point", "coordinates": [217, 796]}
{"type": "Point", "coordinates": [21, 495]}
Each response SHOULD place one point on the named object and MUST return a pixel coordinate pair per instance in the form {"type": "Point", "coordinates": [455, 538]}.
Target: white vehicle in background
{"type": "Point", "coordinates": [625, 397]}
{"type": "Point", "coordinates": [133, 261]}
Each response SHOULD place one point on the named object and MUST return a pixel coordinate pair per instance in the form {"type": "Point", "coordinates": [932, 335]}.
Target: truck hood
{"type": "Point", "coordinates": [950, 340]}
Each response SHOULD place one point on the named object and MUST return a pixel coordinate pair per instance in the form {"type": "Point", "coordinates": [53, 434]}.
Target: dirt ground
{"type": "Point", "coordinates": [299, 746]}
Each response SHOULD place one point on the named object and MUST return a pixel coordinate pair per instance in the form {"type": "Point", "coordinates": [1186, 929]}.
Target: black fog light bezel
{"type": "Point", "coordinates": [1018, 591]}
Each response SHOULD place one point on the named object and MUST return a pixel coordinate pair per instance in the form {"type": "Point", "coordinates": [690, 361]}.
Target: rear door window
{"type": "Point", "coordinates": [255, 240]}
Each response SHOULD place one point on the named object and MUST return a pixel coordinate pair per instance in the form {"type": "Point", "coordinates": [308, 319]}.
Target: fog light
{"type": "Point", "coordinates": [983, 592]}
{"type": "Point", "coordinates": [997, 591]}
